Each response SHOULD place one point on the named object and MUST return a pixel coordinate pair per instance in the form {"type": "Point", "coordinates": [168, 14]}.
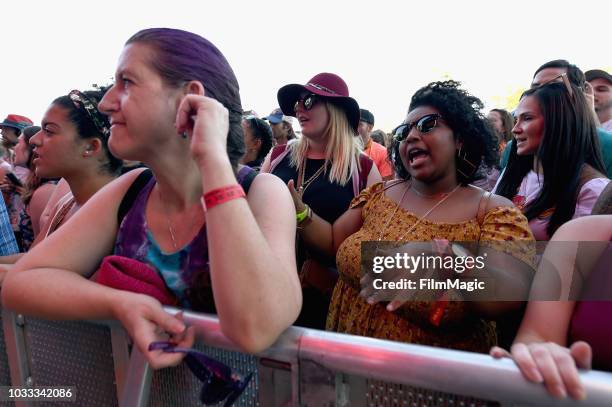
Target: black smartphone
{"type": "Point", "coordinates": [14, 180]}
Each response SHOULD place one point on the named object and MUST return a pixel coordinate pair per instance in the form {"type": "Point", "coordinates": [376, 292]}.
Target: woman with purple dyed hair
{"type": "Point", "coordinates": [175, 106]}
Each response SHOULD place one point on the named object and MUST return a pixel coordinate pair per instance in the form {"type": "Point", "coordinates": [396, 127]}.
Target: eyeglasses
{"type": "Point", "coordinates": [564, 79]}
{"type": "Point", "coordinates": [219, 382]}
{"type": "Point", "coordinates": [307, 101]}
{"type": "Point", "coordinates": [424, 125]}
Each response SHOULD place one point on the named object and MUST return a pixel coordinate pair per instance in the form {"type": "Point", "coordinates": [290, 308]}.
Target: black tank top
{"type": "Point", "coordinates": [326, 199]}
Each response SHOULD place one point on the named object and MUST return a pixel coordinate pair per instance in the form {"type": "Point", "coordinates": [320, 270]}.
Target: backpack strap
{"type": "Point", "coordinates": [130, 196]}
{"type": "Point", "coordinates": [361, 172]}
{"type": "Point", "coordinates": [245, 177]}
{"type": "Point", "coordinates": [278, 154]}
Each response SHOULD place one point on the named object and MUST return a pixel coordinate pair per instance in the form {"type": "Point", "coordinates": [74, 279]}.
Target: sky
{"type": "Point", "coordinates": [384, 50]}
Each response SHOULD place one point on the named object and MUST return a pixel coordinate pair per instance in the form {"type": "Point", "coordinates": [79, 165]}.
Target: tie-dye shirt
{"type": "Point", "coordinates": [185, 272]}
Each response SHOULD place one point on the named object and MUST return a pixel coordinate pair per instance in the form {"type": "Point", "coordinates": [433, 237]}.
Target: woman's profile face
{"type": "Point", "coordinates": [314, 121]}
{"type": "Point", "coordinates": [140, 105]}
{"type": "Point", "coordinates": [250, 141]}
{"type": "Point", "coordinates": [22, 152]}
{"type": "Point", "coordinates": [430, 154]}
{"type": "Point", "coordinates": [58, 151]}
{"type": "Point", "coordinates": [496, 121]}
{"type": "Point", "coordinates": [529, 128]}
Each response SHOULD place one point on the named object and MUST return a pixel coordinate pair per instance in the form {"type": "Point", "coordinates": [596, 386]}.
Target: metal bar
{"type": "Point", "coordinates": [121, 357]}
{"type": "Point", "coordinates": [16, 351]}
{"type": "Point", "coordinates": [464, 373]}
{"type": "Point", "coordinates": [137, 385]}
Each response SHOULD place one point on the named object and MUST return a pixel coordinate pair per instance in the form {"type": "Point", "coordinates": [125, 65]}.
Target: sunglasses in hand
{"type": "Point", "coordinates": [219, 382]}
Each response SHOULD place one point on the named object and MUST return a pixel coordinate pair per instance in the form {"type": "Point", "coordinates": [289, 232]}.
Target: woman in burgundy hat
{"type": "Point", "coordinates": [324, 170]}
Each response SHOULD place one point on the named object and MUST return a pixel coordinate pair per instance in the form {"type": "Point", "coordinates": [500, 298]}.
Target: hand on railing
{"type": "Point", "coordinates": [553, 365]}
{"type": "Point", "coordinates": [146, 322]}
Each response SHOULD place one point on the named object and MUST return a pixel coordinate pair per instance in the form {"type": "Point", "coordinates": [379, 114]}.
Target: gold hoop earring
{"type": "Point", "coordinates": [463, 161]}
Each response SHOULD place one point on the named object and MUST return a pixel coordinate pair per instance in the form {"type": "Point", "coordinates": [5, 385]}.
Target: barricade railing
{"type": "Point", "coordinates": [303, 368]}
{"type": "Point", "coordinates": [318, 368]}
{"type": "Point", "coordinates": [92, 357]}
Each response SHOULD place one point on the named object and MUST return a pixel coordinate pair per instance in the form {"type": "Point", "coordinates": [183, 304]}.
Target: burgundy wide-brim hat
{"type": "Point", "coordinates": [327, 85]}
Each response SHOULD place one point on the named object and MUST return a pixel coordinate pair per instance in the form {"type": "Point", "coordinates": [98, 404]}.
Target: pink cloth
{"type": "Point", "coordinates": [531, 186]}
{"type": "Point", "coordinates": [592, 318]}
{"type": "Point", "coordinates": [127, 274]}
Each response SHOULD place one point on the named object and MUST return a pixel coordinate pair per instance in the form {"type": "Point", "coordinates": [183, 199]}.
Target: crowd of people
{"type": "Point", "coordinates": [237, 215]}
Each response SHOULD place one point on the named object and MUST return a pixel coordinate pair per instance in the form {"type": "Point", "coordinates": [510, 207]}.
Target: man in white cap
{"type": "Point", "coordinates": [282, 127]}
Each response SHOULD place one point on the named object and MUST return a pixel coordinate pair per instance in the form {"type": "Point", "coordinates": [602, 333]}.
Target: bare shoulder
{"type": "Point", "coordinates": [496, 201]}
{"type": "Point", "coordinates": [266, 183]}
{"type": "Point", "coordinates": [588, 228]}
{"type": "Point", "coordinates": [492, 200]}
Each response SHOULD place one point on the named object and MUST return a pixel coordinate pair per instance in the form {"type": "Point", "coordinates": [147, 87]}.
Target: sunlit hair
{"type": "Point", "coordinates": [507, 123]}
{"type": "Point", "coordinates": [342, 150]}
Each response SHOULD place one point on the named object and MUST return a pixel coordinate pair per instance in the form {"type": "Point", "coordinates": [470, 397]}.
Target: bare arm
{"type": "Point", "coordinates": [539, 348]}
{"type": "Point", "coordinates": [257, 291]}
{"type": "Point", "coordinates": [38, 203]}
{"type": "Point", "coordinates": [325, 237]}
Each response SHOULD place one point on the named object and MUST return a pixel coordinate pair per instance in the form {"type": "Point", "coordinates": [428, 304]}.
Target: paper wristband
{"type": "Point", "coordinates": [222, 195]}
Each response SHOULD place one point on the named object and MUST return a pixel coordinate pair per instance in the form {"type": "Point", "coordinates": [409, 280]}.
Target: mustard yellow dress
{"type": "Point", "coordinates": [459, 328]}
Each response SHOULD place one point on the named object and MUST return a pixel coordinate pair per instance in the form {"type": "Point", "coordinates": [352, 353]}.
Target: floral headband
{"type": "Point", "coordinates": [81, 101]}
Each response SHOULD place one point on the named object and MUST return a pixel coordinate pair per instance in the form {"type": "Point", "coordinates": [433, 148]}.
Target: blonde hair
{"type": "Point", "coordinates": [342, 150]}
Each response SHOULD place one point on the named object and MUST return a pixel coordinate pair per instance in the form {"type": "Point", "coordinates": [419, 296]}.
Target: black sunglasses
{"type": "Point", "coordinates": [219, 382]}
{"type": "Point", "coordinates": [425, 124]}
{"type": "Point", "coordinates": [307, 101]}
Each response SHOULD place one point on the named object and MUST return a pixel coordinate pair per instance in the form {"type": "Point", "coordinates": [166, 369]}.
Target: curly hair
{"type": "Point", "coordinates": [462, 112]}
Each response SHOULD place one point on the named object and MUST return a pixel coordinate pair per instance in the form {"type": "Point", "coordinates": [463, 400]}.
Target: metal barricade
{"type": "Point", "coordinates": [316, 368]}
{"type": "Point", "coordinates": [303, 368]}
{"type": "Point", "coordinates": [274, 381]}
{"type": "Point", "coordinates": [91, 356]}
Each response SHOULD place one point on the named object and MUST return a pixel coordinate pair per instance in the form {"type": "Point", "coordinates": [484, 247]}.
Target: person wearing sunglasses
{"type": "Point", "coordinates": [324, 170]}
{"type": "Point", "coordinates": [555, 171]}
{"type": "Point", "coordinates": [216, 243]}
{"type": "Point", "coordinates": [258, 141]}
{"type": "Point", "coordinates": [435, 152]}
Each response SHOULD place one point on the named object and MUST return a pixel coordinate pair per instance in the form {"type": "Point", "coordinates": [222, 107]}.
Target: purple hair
{"type": "Point", "coordinates": [182, 56]}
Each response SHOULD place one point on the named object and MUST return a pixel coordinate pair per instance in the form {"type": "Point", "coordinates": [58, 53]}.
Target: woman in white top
{"type": "Point", "coordinates": [555, 171]}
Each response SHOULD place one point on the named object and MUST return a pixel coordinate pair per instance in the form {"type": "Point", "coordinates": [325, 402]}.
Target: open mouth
{"type": "Point", "coordinates": [417, 155]}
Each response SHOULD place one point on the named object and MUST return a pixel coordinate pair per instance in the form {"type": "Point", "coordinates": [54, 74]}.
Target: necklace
{"type": "Point", "coordinates": [168, 221]}
{"type": "Point", "coordinates": [444, 198]}
{"type": "Point", "coordinates": [432, 196]}
{"type": "Point", "coordinates": [303, 185]}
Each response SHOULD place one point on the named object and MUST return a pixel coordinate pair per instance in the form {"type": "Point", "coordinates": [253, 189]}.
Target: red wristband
{"type": "Point", "coordinates": [222, 195]}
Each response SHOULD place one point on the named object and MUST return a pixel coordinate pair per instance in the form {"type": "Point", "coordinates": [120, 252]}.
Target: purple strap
{"type": "Point", "coordinates": [219, 382]}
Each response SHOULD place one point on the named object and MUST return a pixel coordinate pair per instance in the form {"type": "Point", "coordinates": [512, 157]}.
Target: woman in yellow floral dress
{"type": "Point", "coordinates": [436, 152]}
